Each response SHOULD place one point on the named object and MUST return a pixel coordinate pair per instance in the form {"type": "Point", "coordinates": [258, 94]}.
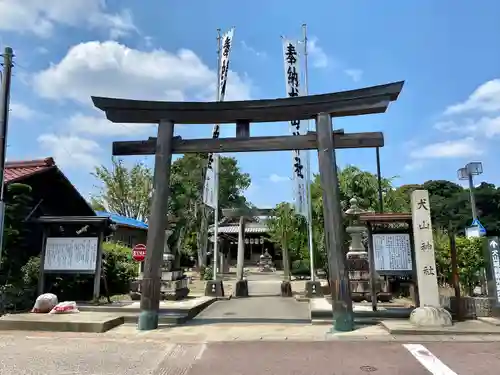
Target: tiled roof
{"type": "Point", "coordinates": [123, 220]}
{"type": "Point", "coordinates": [18, 170]}
{"type": "Point", "coordinates": [249, 228]}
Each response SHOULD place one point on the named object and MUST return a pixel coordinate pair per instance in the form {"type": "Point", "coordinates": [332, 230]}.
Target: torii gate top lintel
{"type": "Point", "coordinates": [367, 100]}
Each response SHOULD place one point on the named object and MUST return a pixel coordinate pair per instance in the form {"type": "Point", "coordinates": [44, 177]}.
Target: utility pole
{"type": "Point", "coordinates": [4, 121]}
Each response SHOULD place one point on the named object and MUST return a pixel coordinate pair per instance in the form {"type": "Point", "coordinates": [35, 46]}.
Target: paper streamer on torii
{"type": "Point", "coordinates": [210, 193]}
{"type": "Point", "coordinates": [293, 87]}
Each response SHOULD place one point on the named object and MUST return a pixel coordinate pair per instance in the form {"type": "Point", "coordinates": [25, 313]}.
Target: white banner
{"type": "Point", "coordinates": [293, 87]}
{"type": "Point", "coordinates": [210, 189]}
{"type": "Point", "coordinates": [75, 254]}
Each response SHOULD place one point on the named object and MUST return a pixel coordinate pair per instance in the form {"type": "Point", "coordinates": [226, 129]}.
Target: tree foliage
{"type": "Point", "coordinates": [128, 192]}
{"type": "Point", "coordinates": [470, 259]}
{"type": "Point", "coordinates": [287, 229]}
{"type": "Point", "coordinates": [124, 191]}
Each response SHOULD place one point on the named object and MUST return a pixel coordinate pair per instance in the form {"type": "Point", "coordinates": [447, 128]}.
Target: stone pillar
{"type": "Point", "coordinates": [241, 286]}
{"type": "Point", "coordinates": [429, 313]}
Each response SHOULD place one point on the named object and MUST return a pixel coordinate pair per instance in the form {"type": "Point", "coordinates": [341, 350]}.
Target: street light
{"type": "Point", "coordinates": [472, 169]}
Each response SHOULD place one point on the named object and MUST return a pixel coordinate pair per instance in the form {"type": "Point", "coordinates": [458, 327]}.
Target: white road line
{"type": "Point", "coordinates": [200, 353]}
{"type": "Point", "coordinates": [429, 360]}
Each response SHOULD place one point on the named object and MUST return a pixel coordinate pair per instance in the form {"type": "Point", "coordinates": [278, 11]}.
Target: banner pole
{"type": "Point", "coordinates": [308, 164]}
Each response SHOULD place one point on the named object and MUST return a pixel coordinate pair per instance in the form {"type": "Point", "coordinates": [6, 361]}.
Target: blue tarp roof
{"type": "Point", "coordinates": [122, 220]}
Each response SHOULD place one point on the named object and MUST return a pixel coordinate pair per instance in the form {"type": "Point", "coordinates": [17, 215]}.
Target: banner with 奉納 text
{"type": "Point", "coordinates": [210, 186]}
{"type": "Point", "coordinates": [293, 87]}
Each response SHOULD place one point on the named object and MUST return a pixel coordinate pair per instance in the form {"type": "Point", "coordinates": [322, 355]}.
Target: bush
{"type": "Point", "coordinates": [118, 268]}
{"type": "Point", "coordinates": [301, 267]}
{"type": "Point", "coordinates": [208, 274]}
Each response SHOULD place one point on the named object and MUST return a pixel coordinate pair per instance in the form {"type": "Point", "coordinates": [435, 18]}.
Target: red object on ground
{"type": "Point", "coordinates": [139, 253]}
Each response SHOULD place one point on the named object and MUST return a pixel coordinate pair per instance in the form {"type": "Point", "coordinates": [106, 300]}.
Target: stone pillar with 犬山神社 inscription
{"type": "Point", "coordinates": [429, 312]}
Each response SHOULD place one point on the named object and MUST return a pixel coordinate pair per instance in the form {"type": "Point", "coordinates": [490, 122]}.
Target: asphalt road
{"type": "Point", "coordinates": [96, 355]}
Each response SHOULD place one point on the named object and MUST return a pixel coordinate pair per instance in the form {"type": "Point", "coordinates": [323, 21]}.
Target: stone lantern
{"type": "Point", "coordinates": [356, 248]}
{"type": "Point", "coordinates": [357, 257]}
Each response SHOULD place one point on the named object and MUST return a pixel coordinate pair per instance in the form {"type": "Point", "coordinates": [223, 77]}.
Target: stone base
{"type": "Point", "coordinates": [429, 316]}
{"type": "Point", "coordinates": [286, 289]}
{"type": "Point", "coordinates": [241, 288]}
{"type": "Point", "coordinates": [135, 296]}
{"type": "Point", "coordinates": [313, 289]}
{"type": "Point", "coordinates": [214, 288]}
{"type": "Point", "coordinates": [175, 295]}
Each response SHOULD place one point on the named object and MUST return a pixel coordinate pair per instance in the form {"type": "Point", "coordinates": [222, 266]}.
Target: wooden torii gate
{"type": "Point", "coordinates": [322, 108]}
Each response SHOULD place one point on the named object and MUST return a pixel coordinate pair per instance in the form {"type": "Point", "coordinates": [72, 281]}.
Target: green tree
{"type": "Point", "coordinates": [287, 229]}
{"type": "Point", "coordinates": [470, 259]}
{"type": "Point", "coordinates": [16, 252]}
{"type": "Point", "coordinates": [128, 192]}
{"type": "Point", "coordinates": [124, 191]}
{"type": "Point", "coordinates": [187, 206]}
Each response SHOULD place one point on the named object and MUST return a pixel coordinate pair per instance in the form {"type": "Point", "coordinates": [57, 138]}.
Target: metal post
{"type": "Point", "coordinates": [216, 169]}
{"type": "Point", "coordinates": [371, 265]}
{"type": "Point", "coordinates": [158, 222]}
{"type": "Point", "coordinates": [308, 166]}
{"type": "Point", "coordinates": [454, 271]}
{"type": "Point", "coordinates": [379, 180]}
{"type": "Point", "coordinates": [339, 277]}
{"type": "Point", "coordinates": [4, 122]}
{"type": "Point", "coordinates": [472, 198]}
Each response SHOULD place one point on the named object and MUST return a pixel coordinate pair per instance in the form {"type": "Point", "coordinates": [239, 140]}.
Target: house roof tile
{"type": "Point", "coordinates": [18, 170]}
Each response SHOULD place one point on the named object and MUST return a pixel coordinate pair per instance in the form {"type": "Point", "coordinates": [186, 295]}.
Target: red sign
{"type": "Point", "coordinates": [139, 253]}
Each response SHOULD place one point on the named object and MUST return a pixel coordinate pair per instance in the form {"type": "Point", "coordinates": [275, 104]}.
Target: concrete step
{"type": "Point", "coordinates": [164, 318]}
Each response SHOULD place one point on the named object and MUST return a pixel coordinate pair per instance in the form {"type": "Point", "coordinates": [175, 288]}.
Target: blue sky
{"type": "Point", "coordinates": [448, 113]}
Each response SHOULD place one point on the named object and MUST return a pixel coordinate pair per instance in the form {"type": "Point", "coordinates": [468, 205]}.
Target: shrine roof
{"type": "Point", "coordinates": [249, 228]}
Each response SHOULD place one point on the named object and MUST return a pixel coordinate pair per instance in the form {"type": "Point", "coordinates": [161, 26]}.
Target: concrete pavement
{"type": "Point", "coordinates": [62, 354]}
{"type": "Point", "coordinates": [255, 310]}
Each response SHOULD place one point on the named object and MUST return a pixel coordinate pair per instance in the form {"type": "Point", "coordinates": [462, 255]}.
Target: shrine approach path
{"type": "Point", "coordinates": [264, 305]}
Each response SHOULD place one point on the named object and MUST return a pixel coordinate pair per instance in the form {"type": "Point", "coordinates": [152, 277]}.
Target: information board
{"type": "Point", "coordinates": [392, 252]}
{"type": "Point", "coordinates": [71, 254]}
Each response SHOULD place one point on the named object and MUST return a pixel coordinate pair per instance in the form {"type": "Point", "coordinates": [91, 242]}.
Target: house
{"type": "Point", "coordinates": [129, 232]}
{"type": "Point", "coordinates": [52, 193]}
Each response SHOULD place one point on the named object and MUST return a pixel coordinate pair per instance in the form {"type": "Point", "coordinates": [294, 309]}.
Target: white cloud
{"type": "Point", "coordinates": [413, 166]}
{"type": "Point", "coordinates": [355, 74]}
{"type": "Point", "coordinates": [319, 58]}
{"type": "Point", "coordinates": [253, 51]}
{"type": "Point", "coordinates": [41, 17]}
{"type": "Point", "coordinates": [71, 151]}
{"type": "Point", "coordinates": [485, 126]}
{"type": "Point", "coordinates": [100, 126]}
{"type": "Point", "coordinates": [21, 111]}
{"type": "Point", "coordinates": [448, 149]}
{"type": "Point", "coordinates": [112, 69]}
{"type": "Point", "coordinates": [486, 98]}
{"type": "Point", "coordinates": [276, 178]}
